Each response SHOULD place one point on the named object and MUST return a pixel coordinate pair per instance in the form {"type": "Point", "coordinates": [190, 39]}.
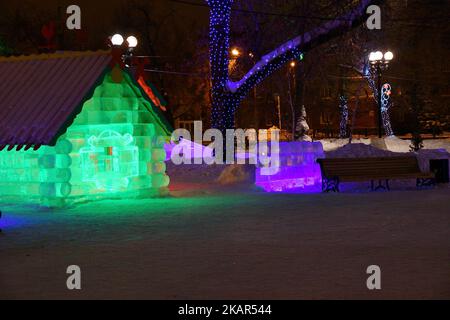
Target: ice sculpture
{"type": "Point", "coordinates": [297, 168]}
{"type": "Point", "coordinates": [113, 148]}
{"type": "Point", "coordinates": [110, 160]}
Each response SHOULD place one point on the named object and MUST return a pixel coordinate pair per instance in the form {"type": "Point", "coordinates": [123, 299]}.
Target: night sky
{"type": "Point", "coordinates": [177, 44]}
{"type": "Point", "coordinates": [98, 16]}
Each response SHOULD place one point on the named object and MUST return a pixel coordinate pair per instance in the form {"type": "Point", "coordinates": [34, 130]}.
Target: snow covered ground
{"type": "Point", "coordinates": [393, 144]}
{"type": "Point", "coordinates": [232, 245]}
{"type": "Point", "coordinates": [217, 241]}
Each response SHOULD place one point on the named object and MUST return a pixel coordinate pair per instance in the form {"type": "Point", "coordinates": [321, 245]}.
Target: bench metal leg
{"type": "Point", "coordinates": [427, 182]}
{"type": "Point", "coordinates": [382, 185]}
{"type": "Point", "coordinates": [330, 185]}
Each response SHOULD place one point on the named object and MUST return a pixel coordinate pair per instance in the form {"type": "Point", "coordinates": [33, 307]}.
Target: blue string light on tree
{"type": "Point", "coordinates": [386, 100]}
{"type": "Point", "coordinates": [226, 94]}
{"type": "Point", "coordinates": [343, 106]}
{"type": "Point", "coordinates": [386, 93]}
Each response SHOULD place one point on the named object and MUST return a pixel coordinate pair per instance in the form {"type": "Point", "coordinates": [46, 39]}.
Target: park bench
{"type": "Point", "coordinates": [381, 170]}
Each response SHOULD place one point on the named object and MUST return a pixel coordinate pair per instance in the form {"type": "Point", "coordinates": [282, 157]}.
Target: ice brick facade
{"type": "Point", "coordinates": [114, 148]}
{"type": "Point", "coordinates": [297, 168]}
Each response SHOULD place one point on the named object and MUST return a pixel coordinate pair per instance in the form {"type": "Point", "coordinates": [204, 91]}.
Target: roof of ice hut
{"type": "Point", "coordinates": [40, 95]}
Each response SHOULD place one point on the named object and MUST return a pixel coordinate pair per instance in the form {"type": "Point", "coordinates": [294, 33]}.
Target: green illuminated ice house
{"type": "Point", "coordinates": [78, 126]}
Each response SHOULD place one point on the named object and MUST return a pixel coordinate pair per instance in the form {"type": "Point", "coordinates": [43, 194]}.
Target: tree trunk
{"type": "Point", "coordinates": [223, 102]}
{"type": "Point", "coordinates": [226, 94]}
{"type": "Point", "coordinates": [223, 110]}
{"type": "Point", "coordinates": [386, 119]}
{"type": "Point", "coordinates": [387, 122]}
{"type": "Point", "coordinates": [344, 113]}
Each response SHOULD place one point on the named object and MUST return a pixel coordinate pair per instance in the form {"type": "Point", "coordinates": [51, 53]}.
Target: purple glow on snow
{"type": "Point", "coordinates": [184, 144]}
{"type": "Point", "coordinates": [9, 222]}
{"type": "Point", "coordinates": [297, 170]}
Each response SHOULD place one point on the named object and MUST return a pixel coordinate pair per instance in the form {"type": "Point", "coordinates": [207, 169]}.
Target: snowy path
{"type": "Point", "coordinates": [251, 246]}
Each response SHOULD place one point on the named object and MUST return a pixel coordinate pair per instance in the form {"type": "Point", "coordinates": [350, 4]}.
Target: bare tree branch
{"type": "Point", "coordinates": [293, 48]}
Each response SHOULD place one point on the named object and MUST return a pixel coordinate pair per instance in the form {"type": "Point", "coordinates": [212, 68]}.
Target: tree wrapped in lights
{"type": "Point", "coordinates": [343, 109]}
{"type": "Point", "coordinates": [228, 94]}
{"type": "Point", "coordinates": [386, 101]}
{"type": "Point", "coordinates": [386, 105]}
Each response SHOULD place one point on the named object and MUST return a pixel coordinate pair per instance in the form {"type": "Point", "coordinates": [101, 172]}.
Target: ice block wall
{"type": "Point", "coordinates": [115, 146]}
{"type": "Point", "coordinates": [37, 176]}
{"type": "Point", "coordinates": [297, 168]}
{"type": "Point", "coordinates": [118, 149]}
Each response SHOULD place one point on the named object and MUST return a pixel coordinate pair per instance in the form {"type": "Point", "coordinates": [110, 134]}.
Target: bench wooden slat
{"type": "Point", "coordinates": [370, 169]}
{"type": "Point", "coordinates": [385, 177]}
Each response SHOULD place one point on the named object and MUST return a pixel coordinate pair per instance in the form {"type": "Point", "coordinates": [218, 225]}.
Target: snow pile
{"type": "Point", "coordinates": [425, 156]}
{"type": "Point", "coordinates": [360, 150]}
{"type": "Point", "coordinates": [188, 150]}
{"type": "Point", "coordinates": [334, 144]}
{"type": "Point", "coordinates": [366, 151]}
{"type": "Point", "coordinates": [199, 173]}
{"type": "Point", "coordinates": [397, 145]}
{"type": "Point", "coordinates": [437, 144]}
{"type": "Point", "coordinates": [237, 174]}
{"type": "Point", "coordinates": [212, 174]}
{"type": "Point", "coordinates": [392, 143]}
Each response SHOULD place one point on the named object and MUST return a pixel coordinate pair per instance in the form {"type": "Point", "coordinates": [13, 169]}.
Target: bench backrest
{"type": "Point", "coordinates": [368, 166]}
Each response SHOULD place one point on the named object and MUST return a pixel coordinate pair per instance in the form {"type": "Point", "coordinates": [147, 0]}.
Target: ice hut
{"type": "Point", "coordinates": [78, 126]}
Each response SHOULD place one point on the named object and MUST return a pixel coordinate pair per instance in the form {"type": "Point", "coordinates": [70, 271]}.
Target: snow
{"type": "Point", "coordinates": [361, 150]}
{"type": "Point", "coordinates": [397, 145]}
{"type": "Point", "coordinates": [392, 143]}
{"type": "Point", "coordinates": [237, 174]}
{"type": "Point", "coordinates": [334, 144]}
{"type": "Point", "coordinates": [433, 149]}
{"type": "Point", "coordinates": [230, 245]}
{"type": "Point", "coordinates": [209, 240]}
{"type": "Point", "coordinates": [187, 150]}
{"type": "Point", "coordinates": [437, 144]}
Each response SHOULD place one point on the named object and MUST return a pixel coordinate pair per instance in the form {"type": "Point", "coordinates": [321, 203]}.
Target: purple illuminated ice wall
{"type": "Point", "coordinates": [297, 169]}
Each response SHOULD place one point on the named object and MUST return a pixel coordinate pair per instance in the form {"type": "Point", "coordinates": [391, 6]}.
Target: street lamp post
{"type": "Point", "coordinates": [378, 63]}
{"type": "Point", "coordinates": [122, 50]}
{"type": "Point", "coordinates": [293, 95]}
